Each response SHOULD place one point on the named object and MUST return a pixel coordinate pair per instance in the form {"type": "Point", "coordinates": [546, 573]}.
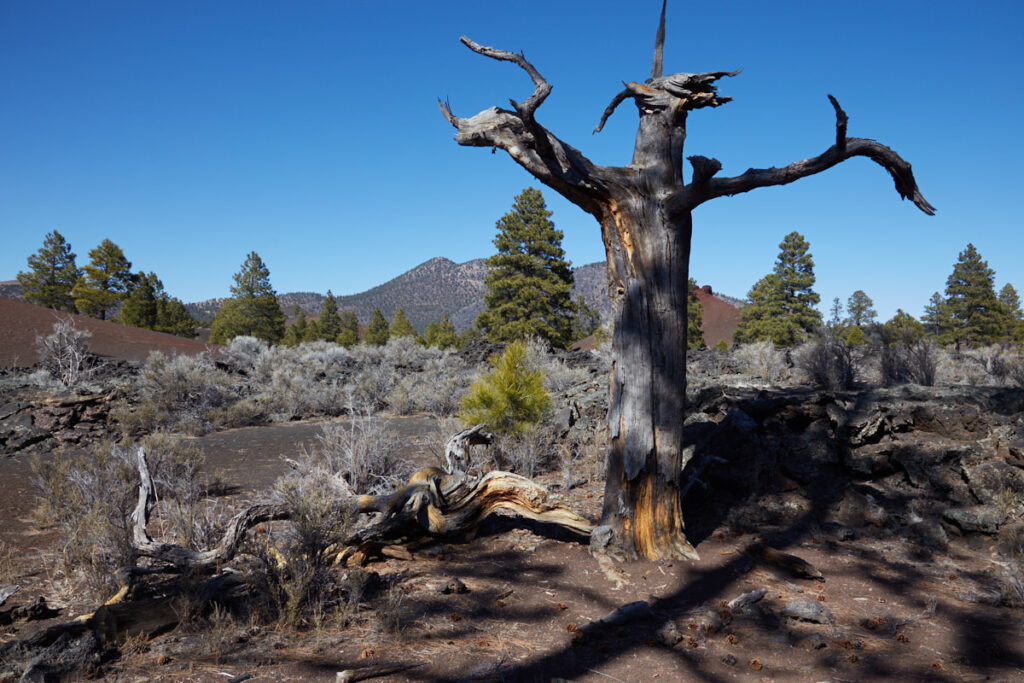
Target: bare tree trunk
{"type": "Point", "coordinates": [648, 392]}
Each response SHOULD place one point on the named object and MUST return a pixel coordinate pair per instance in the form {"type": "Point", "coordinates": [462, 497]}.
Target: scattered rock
{"type": "Point", "coordinates": [748, 598]}
{"type": "Point", "coordinates": [669, 634]}
{"type": "Point", "coordinates": [808, 610]}
{"type": "Point", "coordinates": [454, 586]}
{"type": "Point", "coordinates": [974, 519]}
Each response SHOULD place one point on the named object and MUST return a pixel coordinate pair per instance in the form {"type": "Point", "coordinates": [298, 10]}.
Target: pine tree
{"type": "Point", "coordinates": [694, 318]}
{"type": "Point", "coordinates": [52, 275]}
{"type": "Point", "coordinates": [976, 314]}
{"type": "Point", "coordinates": [441, 334]}
{"type": "Point", "coordinates": [253, 309]}
{"type": "Point", "coordinates": [330, 321]}
{"type": "Point", "coordinates": [860, 310]}
{"type": "Point", "coordinates": [1012, 315]}
{"type": "Point", "coordinates": [528, 280]}
{"type": "Point", "coordinates": [902, 329]}
{"type": "Point", "coordinates": [377, 330]}
{"type": "Point", "coordinates": [312, 332]}
{"type": "Point", "coordinates": [509, 398]}
{"type": "Point", "coordinates": [295, 333]}
{"type": "Point", "coordinates": [149, 306]}
{"type": "Point", "coordinates": [937, 321]}
{"type": "Point", "coordinates": [174, 318]}
{"type": "Point", "coordinates": [781, 304]}
{"type": "Point", "coordinates": [400, 326]}
{"type": "Point", "coordinates": [105, 282]}
{"type": "Point", "coordinates": [585, 319]}
{"type": "Point", "coordinates": [141, 307]}
{"type": "Point", "coordinates": [348, 336]}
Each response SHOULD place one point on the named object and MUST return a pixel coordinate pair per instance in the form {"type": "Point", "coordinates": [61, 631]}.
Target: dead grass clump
{"type": "Point", "coordinates": [293, 568]}
{"type": "Point", "coordinates": [827, 361]}
{"type": "Point", "coordinates": [64, 353]}
{"type": "Point", "coordinates": [361, 451]}
{"type": "Point", "coordinates": [390, 609]}
{"type": "Point", "coordinates": [914, 361]}
{"type": "Point", "coordinates": [764, 360]}
{"type": "Point", "coordinates": [527, 453]}
{"type": "Point", "coordinates": [8, 568]}
{"type": "Point", "coordinates": [89, 497]}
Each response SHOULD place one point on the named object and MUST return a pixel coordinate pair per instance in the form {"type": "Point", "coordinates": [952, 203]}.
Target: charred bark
{"type": "Point", "coordinates": [644, 210]}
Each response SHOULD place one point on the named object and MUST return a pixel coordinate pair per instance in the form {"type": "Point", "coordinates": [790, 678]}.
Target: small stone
{"type": "Point", "coordinates": [729, 658]}
{"type": "Point", "coordinates": [454, 586]}
{"type": "Point", "coordinates": [809, 610]}
{"type": "Point", "coordinates": [669, 634]}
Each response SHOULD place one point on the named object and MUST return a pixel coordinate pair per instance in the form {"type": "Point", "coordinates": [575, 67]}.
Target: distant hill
{"type": "Point", "coordinates": [440, 286]}
{"type": "Point", "coordinates": [21, 322]}
{"type": "Point", "coordinates": [11, 289]}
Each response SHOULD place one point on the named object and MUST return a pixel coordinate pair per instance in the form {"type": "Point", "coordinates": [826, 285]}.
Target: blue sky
{"type": "Point", "coordinates": [190, 133]}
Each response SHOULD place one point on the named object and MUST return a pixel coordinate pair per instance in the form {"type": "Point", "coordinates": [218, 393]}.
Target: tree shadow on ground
{"type": "Point", "coordinates": [774, 443]}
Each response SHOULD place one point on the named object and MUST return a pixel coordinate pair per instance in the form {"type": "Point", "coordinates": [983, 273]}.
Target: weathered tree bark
{"type": "Point", "coordinates": [644, 210]}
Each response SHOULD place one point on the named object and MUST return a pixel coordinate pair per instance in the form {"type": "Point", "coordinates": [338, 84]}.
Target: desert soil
{"type": "Point", "coordinates": [533, 604]}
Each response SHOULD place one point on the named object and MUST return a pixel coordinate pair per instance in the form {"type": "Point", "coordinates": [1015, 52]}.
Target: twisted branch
{"type": "Point", "coordinates": [845, 148]}
{"type": "Point", "coordinates": [541, 87]}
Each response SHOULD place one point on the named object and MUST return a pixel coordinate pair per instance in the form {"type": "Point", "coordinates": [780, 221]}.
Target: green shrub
{"type": "Point", "coordinates": [510, 397]}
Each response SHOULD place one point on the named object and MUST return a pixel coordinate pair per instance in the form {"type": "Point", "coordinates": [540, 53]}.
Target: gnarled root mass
{"type": "Point", "coordinates": [435, 503]}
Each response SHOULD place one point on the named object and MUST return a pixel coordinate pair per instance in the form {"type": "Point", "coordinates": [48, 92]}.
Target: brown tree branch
{"type": "Point", "coordinates": [540, 152]}
{"type": "Point", "coordinates": [541, 87]}
{"type": "Point", "coordinates": [844, 149]}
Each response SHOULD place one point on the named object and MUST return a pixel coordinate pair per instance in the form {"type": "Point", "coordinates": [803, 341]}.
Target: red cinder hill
{"type": "Point", "coordinates": [20, 322]}
{"type": "Point", "coordinates": [720, 318]}
{"type": "Point", "coordinates": [719, 322]}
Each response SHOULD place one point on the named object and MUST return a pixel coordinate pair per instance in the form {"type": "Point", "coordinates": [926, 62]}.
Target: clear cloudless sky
{"type": "Point", "coordinates": [191, 133]}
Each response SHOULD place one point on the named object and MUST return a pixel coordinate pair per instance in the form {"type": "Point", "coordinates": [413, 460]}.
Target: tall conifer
{"type": "Point", "coordinates": [377, 330]}
{"type": "Point", "coordinates": [400, 326]}
{"type": "Point", "coordinates": [253, 309]}
{"type": "Point", "coordinates": [977, 316]}
{"type": "Point", "coordinates": [348, 336]}
{"type": "Point", "coordinates": [329, 324]}
{"type": "Point", "coordinates": [52, 275]}
{"type": "Point", "coordinates": [781, 305]}
{"type": "Point", "coordinates": [529, 280]}
{"type": "Point", "coordinates": [105, 281]}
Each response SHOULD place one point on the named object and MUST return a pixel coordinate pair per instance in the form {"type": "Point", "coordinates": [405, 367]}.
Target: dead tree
{"type": "Point", "coordinates": [644, 210]}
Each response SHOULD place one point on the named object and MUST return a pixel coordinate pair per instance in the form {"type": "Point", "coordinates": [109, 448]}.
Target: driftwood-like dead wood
{"type": "Point", "coordinates": [435, 502]}
{"type": "Point", "coordinates": [645, 212]}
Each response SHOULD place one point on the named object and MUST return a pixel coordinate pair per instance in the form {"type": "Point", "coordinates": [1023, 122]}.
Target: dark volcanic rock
{"type": "Point", "coordinates": [977, 518]}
